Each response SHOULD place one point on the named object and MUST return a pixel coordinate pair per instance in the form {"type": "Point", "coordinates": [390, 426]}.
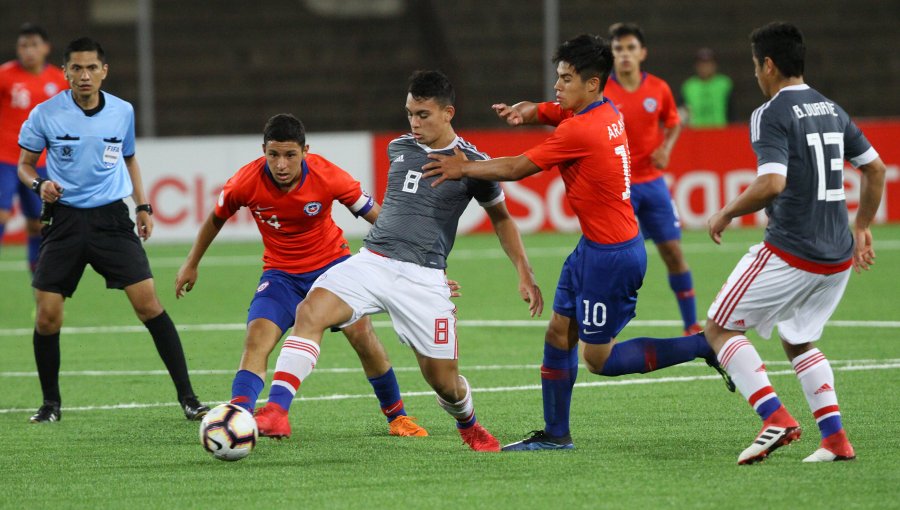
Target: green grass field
{"type": "Point", "coordinates": [666, 439]}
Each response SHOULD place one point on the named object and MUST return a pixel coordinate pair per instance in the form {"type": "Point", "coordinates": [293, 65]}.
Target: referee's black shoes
{"type": "Point", "coordinates": [47, 413]}
{"type": "Point", "coordinates": [193, 409]}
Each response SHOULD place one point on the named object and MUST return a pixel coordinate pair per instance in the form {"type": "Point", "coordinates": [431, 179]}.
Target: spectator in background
{"type": "Point", "coordinates": [707, 94]}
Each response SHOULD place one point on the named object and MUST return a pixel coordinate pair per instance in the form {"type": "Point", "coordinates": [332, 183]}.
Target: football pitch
{"type": "Point", "coordinates": [664, 439]}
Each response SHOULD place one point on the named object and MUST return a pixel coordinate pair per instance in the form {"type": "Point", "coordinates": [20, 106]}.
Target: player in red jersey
{"type": "Point", "coordinates": [653, 126]}
{"type": "Point", "coordinates": [290, 192]}
{"type": "Point", "coordinates": [597, 290]}
{"type": "Point", "coordinates": [24, 83]}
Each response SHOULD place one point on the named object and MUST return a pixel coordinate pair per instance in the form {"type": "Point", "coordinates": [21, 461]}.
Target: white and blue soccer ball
{"type": "Point", "coordinates": [228, 432]}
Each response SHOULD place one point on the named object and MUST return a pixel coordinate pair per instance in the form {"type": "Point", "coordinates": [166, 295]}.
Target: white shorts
{"type": "Point", "coordinates": [417, 298]}
{"type": "Point", "coordinates": [764, 291]}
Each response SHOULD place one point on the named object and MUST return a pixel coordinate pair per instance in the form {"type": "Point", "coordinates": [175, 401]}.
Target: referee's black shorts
{"type": "Point", "coordinates": [102, 236]}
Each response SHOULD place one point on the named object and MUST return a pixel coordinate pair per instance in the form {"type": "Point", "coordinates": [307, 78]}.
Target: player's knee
{"type": "Point", "coordinates": [47, 321]}
{"type": "Point", "coordinates": [150, 309]}
{"type": "Point", "coordinates": [307, 315]}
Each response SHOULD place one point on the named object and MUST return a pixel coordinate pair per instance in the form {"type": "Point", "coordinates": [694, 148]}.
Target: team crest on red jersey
{"type": "Point", "coordinates": [312, 208]}
{"type": "Point", "coordinates": [650, 105]}
{"type": "Point", "coordinates": [51, 89]}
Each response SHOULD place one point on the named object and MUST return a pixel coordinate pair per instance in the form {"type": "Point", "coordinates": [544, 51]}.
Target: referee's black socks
{"type": "Point", "coordinates": [168, 344]}
{"type": "Point", "coordinates": [46, 356]}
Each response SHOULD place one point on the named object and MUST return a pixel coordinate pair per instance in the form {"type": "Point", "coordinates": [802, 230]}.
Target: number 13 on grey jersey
{"type": "Point", "coordinates": [804, 136]}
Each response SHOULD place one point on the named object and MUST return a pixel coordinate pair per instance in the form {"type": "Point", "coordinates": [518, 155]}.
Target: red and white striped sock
{"type": "Point", "coordinates": [463, 411]}
{"type": "Point", "coordinates": [817, 380]}
{"type": "Point", "coordinates": [297, 359]}
{"type": "Point", "coordinates": [746, 368]}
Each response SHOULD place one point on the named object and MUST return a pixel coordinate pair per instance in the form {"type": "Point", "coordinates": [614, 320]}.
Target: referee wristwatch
{"type": "Point", "coordinates": [36, 184]}
{"type": "Point", "coordinates": [144, 207]}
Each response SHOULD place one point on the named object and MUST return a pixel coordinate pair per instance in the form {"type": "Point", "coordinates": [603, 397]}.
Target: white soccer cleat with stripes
{"type": "Point", "coordinates": [825, 455]}
{"type": "Point", "coordinates": [769, 439]}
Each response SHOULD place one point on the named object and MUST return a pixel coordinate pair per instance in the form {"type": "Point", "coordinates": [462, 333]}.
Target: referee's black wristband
{"type": "Point", "coordinates": [36, 184]}
{"type": "Point", "coordinates": [144, 207]}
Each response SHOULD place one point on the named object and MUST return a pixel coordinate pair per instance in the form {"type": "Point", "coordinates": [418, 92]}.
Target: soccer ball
{"type": "Point", "coordinates": [228, 432]}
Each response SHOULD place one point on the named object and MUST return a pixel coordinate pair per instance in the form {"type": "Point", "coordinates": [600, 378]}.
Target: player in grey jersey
{"type": "Point", "coordinates": [796, 277]}
{"type": "Point", "coordinates": [420, 224]}
{"type": "Point", "coordinates": [401, 268]}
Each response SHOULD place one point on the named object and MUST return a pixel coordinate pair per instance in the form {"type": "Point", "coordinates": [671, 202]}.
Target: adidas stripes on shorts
{"type": "Point", "coordinates": [764, 291]}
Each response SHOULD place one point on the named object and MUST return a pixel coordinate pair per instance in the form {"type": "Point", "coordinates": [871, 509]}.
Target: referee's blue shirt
{"type": "Point", "coordinates": [86, 150]}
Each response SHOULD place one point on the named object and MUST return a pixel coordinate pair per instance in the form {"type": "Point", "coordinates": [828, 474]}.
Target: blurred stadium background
{"type": "Point", "coordinates": [222, 67]}
{"type": "Point", "coordinates": [204, 76]}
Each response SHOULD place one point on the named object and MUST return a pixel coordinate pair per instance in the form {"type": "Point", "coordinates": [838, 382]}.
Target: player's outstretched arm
{"type": "Point", "coordinates": [188, 273]}
{"type": "Point", "coordinates": [456, 167]}
{"type": "Point", "coordinates": [758, 195]}
{"type": "Point", "coordinates": [519, 114]}
{"type": "Point", "coordinates": [511, 241]}
{"type": "Point", "coordinates": [869, 199]}
{"type": "Point", "coordinates": [142, 218]}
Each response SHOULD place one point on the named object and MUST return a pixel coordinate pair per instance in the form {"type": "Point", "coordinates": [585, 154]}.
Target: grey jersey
{"type": "Point", "coordinates": [803, 135]}
{"type": "Point", "coordinates": [417, 222]}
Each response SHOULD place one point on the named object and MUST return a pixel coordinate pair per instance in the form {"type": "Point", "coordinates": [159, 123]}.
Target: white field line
{"type": "Point", "coordinates": [353, 370]}
{"type": "Point", "coordinates": [536, 323]}
{"type": "Point", "coordinates": [460, 254]}
{"type": "Point", "coordinates": [496, 389]}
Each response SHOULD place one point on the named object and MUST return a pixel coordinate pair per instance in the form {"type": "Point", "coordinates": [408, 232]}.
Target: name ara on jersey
{"type": "Point", "coordinates": [814, 109]}
{"type": "Point", "coordinates": [616, 130]}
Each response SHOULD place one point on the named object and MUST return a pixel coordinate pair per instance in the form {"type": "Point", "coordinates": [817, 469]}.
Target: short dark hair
{"type": "Point", "coordinates": [84, 44]}
{"type": "Point", "coordinates": [435, 85]}
{"type": "Point", "coordinates": [284, 127]}
{"type": "Point", "coordinates": [32, 29]}
{"type": "Point", "coordinates": [781, 42]}
{"type": "Point", "coordinates": [590, 55]}
{"type": "Point", "coordinates": [619, 30]}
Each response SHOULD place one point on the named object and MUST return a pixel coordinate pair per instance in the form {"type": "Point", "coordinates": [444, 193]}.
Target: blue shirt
{"type": "Point", "coordinates": [86, 150]}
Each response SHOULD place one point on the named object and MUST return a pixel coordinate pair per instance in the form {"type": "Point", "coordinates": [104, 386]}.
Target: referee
{"type": "Point", "coordinates": [89, 138]}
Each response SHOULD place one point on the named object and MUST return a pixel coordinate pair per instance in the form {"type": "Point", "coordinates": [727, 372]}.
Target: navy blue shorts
{"type": "Point", "coordinates": [10, 185]}
{"type": "Point", "coordinates": [655, 211]}
{"type": "Point", "coordinates": [279, 293]}
{"type": "Point", "coordinates": [598, 287]}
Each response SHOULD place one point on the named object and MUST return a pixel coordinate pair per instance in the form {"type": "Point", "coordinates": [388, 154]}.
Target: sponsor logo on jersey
{"type": "Point", "coordinates": [399, 159]}
{"type": "Point", "coordinates": [650, 105]}
{"type": "Point", "coordinates": [312, 208]}
{"type": "Point", "coordinates": [51, 89]}
{"type": "Point", "coordinates": [738, 323]}
{"type": "Point", "coordinates": [262, 286]}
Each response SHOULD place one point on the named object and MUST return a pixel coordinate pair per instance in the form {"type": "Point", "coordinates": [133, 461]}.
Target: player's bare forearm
{"type": "Point", "coordinates": [456, 167]}
{"type": "Point", "coordinates": [869, 199]}
{"type": "Point", "coordinates": [872, 189]}
{"type": "Point", "coordinates": [205, 237]}
{"type": "Point", "coordinates": [661, 155]}
{"type": "Point", "coordinates": [187, 275]}
{"type": "Point", "coordinates": [511, 241]}
{"type": "Point", "coordinates": [373, 213]}
{"type": "Point", "coordinates": [759, 194]}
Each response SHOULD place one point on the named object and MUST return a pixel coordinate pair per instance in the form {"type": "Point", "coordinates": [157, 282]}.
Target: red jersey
{"type": "Point", "coordinates": [297, 230]}
{"type": "Point", "coordinates": [20, 91]}
{"type": "Point", "coordinates": [644, 109]}
{"type": "Point", "coordinates": [591, 150]}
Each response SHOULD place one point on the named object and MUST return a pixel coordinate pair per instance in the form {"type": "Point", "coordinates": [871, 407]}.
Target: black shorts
{"type": "Point", "coordinates": [103, 237]}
